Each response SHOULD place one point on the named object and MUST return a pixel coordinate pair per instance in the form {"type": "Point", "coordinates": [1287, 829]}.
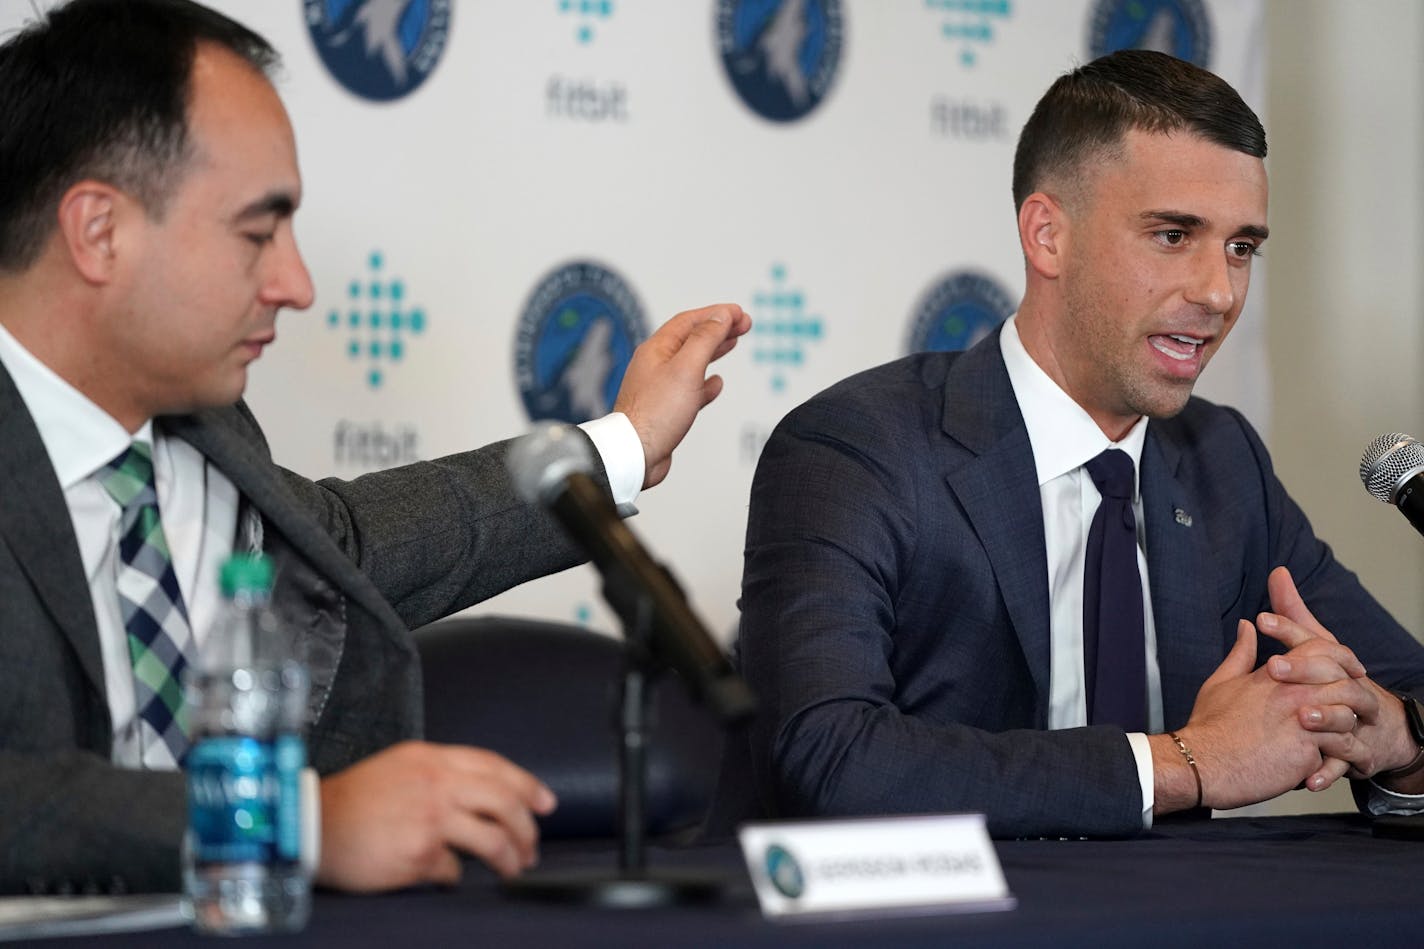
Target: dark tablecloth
{"type": "Point", "coordinates": [1281, 881]}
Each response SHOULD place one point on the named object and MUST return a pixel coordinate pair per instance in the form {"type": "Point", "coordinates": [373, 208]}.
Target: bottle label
{"type": "Point", "coordinates": [291, 759]}
{"type": "Point", "coordinates": [244, 799]}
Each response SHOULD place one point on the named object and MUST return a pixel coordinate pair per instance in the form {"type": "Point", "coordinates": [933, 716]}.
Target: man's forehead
{"type": "Point", "coordinates": [1178, 169]}
{"type": "Point", "coordinates": [238, 122]}
{"type": "Point", "coordinates": [225, 88]}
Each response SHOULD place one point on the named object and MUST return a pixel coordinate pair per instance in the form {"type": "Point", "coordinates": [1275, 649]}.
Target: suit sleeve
{"type": "Point", "coordinates": [438, 536]}
{"type": "Point", "coordinates": [874, 702]}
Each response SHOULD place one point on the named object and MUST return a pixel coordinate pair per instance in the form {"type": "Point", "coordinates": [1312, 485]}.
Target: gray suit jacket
{"type": "Point", "coordinates": [358, 564]}
{"type": "Point", "coordinates": [895, 605]}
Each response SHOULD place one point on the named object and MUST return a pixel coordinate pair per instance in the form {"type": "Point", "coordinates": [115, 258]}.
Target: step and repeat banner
{"type": "Point", "coordinates": [503, 197]}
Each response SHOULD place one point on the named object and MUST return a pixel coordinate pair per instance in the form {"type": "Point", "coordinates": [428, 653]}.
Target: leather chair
{"type": "Point", "coordinates": [545, 695]}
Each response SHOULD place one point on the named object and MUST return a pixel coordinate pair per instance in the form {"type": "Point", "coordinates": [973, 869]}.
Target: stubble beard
{"type": "Point", "coordinates": [1125, 381]}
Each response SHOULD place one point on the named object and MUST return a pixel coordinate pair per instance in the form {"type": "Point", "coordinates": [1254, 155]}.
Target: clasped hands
{"type": "Point", "coordinates": [1305, 718]}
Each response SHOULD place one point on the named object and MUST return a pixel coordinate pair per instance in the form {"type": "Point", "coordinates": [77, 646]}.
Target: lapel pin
{"type": "Point", "coordinates": [1182, 517]}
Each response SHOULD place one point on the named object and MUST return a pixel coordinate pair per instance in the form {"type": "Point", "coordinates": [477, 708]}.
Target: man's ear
{"type": "Point", "coordinates": [89, 216]}
{"type": "Point", "coordinates": [1042, 232]}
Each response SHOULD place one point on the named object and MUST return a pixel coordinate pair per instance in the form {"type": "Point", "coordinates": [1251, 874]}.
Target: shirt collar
{"type": "Point", "coordinates": [1062, 434]}
{"type": "Point", "coordinates": [79, 436]}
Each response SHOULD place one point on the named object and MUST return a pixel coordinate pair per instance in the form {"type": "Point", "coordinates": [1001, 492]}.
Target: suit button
{"type": "Point", "coordinates": [37, 886]}
{"type": "Point", "coordinates": [117, 886]}
{"type": "Point", "coordinates": [65, 888]}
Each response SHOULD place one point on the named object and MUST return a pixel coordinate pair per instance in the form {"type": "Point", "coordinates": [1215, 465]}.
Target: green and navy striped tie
{"type": "Point", "coordinates": [155, 617]}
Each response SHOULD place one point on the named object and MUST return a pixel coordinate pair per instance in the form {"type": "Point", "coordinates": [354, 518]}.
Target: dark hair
{"type": "Point", "coordinates": [1088, 112]}
{"type": "Point", "coordinates": [99, 89]}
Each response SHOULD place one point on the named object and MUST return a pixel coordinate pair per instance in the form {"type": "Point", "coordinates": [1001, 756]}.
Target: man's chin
{"type": "Point", "coordinates": [217, 397]}
{"type": "Point", "coordinates": [1166, 404]}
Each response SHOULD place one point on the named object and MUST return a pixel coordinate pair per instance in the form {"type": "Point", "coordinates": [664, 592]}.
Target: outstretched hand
{"type": "Point", "coordinates": [666, 383]}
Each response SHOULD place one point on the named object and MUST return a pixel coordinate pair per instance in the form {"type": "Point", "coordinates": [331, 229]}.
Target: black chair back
{"type": "Point", "coordinates": [545, 695]}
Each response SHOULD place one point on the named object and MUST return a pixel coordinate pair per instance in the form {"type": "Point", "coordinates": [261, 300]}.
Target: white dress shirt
{"type": "Point", "coordinates": [198, 506]}
{"type": "Point", "coordinates": [1064, 438]}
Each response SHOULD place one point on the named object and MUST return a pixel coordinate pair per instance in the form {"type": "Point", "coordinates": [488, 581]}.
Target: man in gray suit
{"type": "Point", "coordinates": [918, 618]}
{"type": "Point", "coordinates": [148, 179]}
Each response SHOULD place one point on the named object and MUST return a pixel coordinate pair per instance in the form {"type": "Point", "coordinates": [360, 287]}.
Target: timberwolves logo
{"type": "Point", "coordinates": [957, 312]}
{"type": "Point", "coordinates": [379, 49]}
{"type": "Point", "coordinates": [1177, 27]}
{"type": "Point", "coordinates": [578, 332]}
{"type": "Point", "coordinates": [781, 55]}
{"type": "Point", "coordinates": [784, 872]}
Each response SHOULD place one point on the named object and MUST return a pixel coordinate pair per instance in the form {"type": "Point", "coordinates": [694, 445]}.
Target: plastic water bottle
{"type": "Point", "coordinates": [246, 699]}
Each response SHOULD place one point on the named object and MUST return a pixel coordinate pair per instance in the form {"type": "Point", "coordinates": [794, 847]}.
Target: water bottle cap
{"type": "Point", "coordinates": [251, 573]}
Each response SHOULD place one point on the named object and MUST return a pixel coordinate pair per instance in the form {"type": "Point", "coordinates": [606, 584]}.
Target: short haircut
{"type": "Point", "coordinates": [1085, 115]}
{"type": "Point", "coordinates": [100, 89]}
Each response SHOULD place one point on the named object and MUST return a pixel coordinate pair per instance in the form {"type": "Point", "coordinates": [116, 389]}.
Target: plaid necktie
{"type": "Point", "coordinates": [155, 617]}
{"type": "Point", "coordinates": [1114, 647]}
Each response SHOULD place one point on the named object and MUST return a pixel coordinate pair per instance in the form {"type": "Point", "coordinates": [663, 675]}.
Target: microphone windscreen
{"type": "Point", "coordinates": [1388, 462]}
{"type": "Point", "coordinates": [540, 462]}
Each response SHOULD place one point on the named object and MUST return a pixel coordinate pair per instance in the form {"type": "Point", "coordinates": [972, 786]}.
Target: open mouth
{"type": "Point", "coordinates": [1177, 346]}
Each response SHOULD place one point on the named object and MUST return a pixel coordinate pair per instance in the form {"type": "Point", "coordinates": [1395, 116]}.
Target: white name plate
{"type": "Point", "coordinates": [869, 866]}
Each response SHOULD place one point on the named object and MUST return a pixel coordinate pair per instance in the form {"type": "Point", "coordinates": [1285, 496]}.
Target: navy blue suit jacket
{"type": "Point", "coordinates": [895, 606]}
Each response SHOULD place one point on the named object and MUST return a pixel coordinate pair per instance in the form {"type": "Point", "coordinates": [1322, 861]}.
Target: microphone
{"type": "Point", "coordinates": [551, 466]}
{"type": "Point", "coordinates": [1392, 469]}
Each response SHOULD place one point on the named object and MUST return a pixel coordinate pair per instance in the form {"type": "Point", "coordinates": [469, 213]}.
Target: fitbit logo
{"type": "Point", "coordinates": [378, 321]}
{"type": "Point", "coordinates": [783, 332]}
{"type": "Point", "coordinates": [969, 24]}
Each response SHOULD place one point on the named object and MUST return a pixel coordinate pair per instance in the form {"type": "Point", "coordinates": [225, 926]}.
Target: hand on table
{"type": "Point", "coordinates": [404, 815]}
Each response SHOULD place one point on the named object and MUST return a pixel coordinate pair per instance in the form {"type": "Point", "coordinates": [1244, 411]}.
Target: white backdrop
{"type": "Point", "coordinates": [519, 136]}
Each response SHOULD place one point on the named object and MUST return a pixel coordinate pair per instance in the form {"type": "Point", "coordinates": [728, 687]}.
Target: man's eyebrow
{"type": "Point", "coordinates": [1180, 218]}
{"type": "Point", "coordinates": [280, 203]}
{"type": "Point", "coordinates": [1193, 222]}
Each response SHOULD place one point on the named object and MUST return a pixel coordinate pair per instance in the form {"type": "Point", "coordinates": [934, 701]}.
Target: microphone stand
{"type": "Point", "coordinates": [633, 885]}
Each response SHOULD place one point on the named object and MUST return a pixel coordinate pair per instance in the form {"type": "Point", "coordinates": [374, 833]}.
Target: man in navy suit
{"type": "Point", "coordinates": [913, 600]}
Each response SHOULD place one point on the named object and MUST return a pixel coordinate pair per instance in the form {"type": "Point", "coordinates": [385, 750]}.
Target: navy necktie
{"type": "Point", "coordinates": [1114, 649]}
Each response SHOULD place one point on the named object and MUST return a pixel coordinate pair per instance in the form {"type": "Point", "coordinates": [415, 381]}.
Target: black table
{"type": "Point", "coordinates": [1280, 881]}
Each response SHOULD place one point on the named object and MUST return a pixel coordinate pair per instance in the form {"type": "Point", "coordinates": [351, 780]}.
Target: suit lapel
{"type": "Point", "coordinates": [1179, 568]}
{"type": "Point", "coordinates": [35, 523]}
{"type": "Point", "coordinates": [34, 520]}
{"type": "Point", "coordinates": [998, 490]}
{"type": "Point", "coordinates": [257, 479]}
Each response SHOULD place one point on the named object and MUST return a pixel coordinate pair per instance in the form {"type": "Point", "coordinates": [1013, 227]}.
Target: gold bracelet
{"type": "Point", "coordinates": [1186, 753]}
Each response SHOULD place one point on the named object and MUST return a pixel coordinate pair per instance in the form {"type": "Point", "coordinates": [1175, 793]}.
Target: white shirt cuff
{"type": "Point", "coordinates": [1382, 801]}
{"type": "Point", "coordinates": [621, 450]}
{"type": "Point", "coordinates": [311, 821]}
{"type": "Point", "coordinates": [1142, 751]}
